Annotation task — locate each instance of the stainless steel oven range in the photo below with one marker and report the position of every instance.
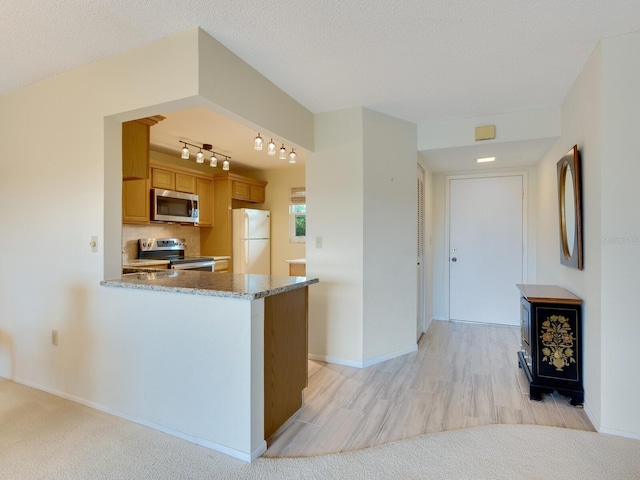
(173, 249)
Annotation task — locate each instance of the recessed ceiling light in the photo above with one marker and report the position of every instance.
(485, 159)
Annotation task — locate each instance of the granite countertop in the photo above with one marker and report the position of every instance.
(140, 263)
(234, 285)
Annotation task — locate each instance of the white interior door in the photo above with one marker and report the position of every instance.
(486, 248)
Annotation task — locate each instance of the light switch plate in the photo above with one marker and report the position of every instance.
(94, 244)
(318, 242)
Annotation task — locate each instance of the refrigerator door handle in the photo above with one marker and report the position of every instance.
(247, 234)
(246, 253)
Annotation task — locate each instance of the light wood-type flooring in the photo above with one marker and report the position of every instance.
(463, 375)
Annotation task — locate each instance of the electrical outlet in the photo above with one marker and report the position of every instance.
(54, 337)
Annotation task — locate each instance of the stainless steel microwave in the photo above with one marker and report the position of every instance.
(170, 206)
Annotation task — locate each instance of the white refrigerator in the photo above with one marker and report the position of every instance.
(251, 244)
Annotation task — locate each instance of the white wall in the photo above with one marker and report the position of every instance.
(620, 229)
(50, 279)
(390, 236)
(281, 181)
(335, 195)
(600, 115)
(510, 127)
(581, 121)
(361, 191)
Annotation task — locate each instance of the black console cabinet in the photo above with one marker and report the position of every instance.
(551, 345)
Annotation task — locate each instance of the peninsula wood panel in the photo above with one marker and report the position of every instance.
(285, 356)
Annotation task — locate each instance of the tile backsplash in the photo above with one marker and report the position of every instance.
(131, 234)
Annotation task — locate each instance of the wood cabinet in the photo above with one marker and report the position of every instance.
(249, 192)
(135, 147)
(551, 341)
(185, 183)
(135, 150)
(135, 201)
(204, 190)
(297, 269)
(161, 178)
(172, 180)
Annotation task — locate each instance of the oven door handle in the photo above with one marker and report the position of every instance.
(188, 266)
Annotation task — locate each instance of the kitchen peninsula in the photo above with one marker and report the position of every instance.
(222, 356)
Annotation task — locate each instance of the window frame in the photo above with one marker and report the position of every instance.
(297, 199)
(293, 238)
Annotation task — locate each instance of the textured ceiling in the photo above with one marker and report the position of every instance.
(419, 60)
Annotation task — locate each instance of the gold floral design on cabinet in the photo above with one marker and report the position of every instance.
(557, 338)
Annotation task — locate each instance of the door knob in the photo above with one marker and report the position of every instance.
(454, 259)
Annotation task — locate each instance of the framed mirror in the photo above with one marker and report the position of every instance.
(570, 209)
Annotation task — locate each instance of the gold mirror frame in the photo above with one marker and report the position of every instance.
(569, 164)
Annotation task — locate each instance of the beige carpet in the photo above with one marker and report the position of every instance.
(46, 437)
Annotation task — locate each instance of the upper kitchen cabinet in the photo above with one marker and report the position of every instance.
(172, 180)
(135, 147)
(185, 183)
(244, 188)
(162, 178)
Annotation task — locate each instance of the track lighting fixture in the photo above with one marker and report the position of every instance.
(213, 161)
(271, 148)
(257, 143)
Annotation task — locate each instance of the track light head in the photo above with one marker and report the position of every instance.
(257, 143)
(185, 153)
(271, 148)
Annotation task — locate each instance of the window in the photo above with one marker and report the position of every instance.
(298, 215)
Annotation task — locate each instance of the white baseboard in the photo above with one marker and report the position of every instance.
(384, 358)
(335, 361)
(247, 457)
(594, 419)
(361, 364)
(444, 319)
(619, 433)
